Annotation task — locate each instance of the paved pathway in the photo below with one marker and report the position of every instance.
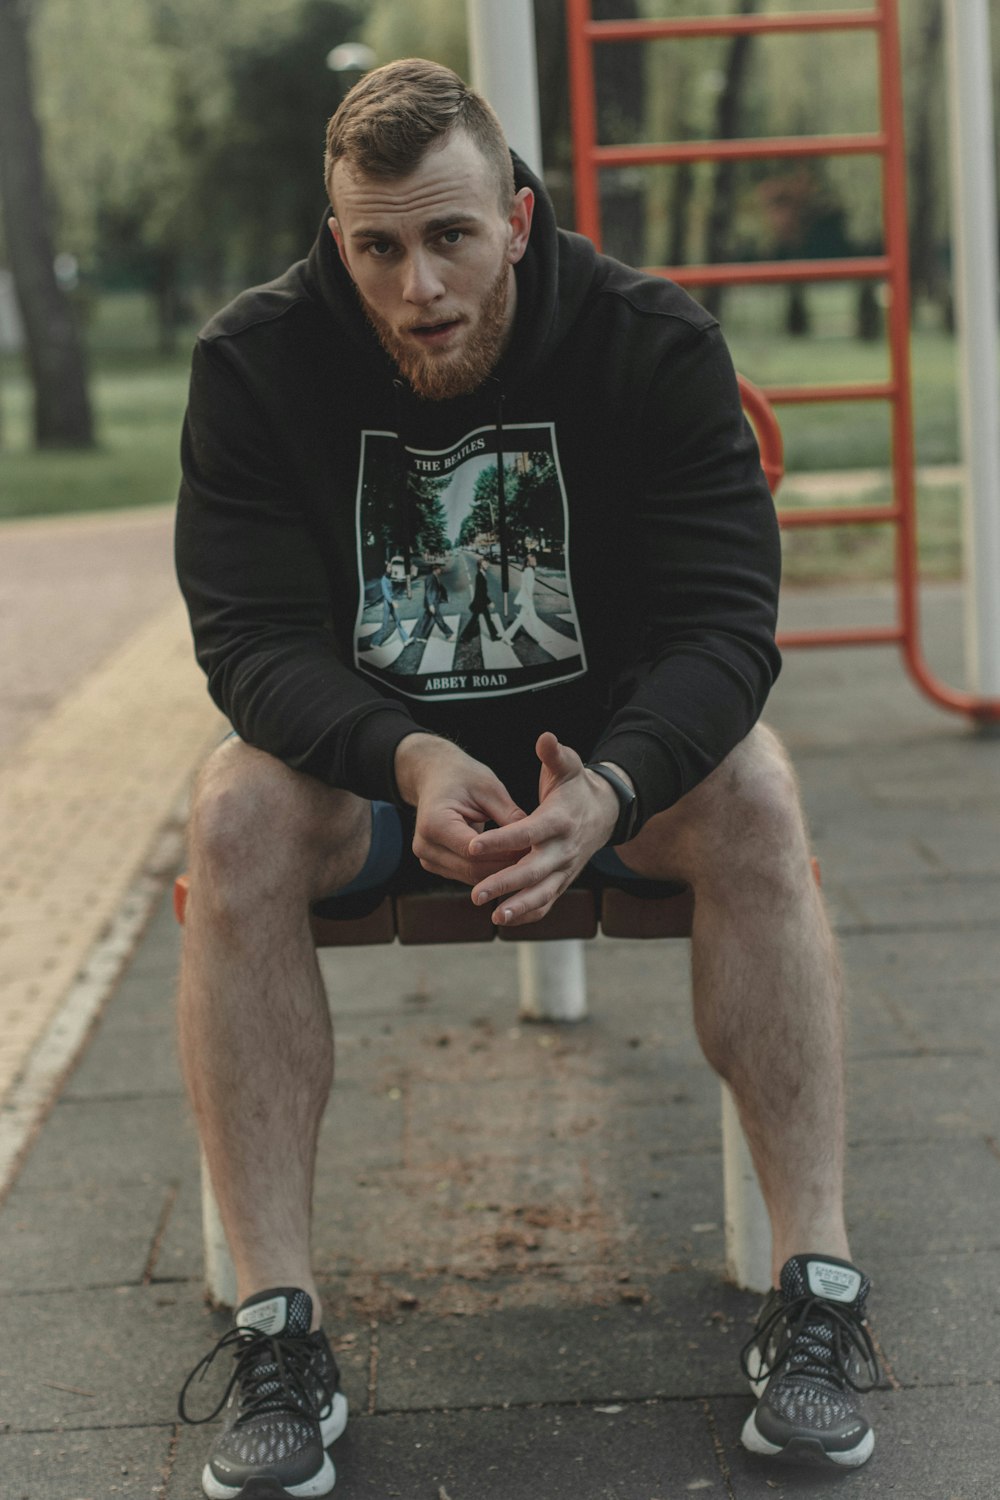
(102, 715)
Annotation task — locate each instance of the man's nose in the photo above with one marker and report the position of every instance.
(421, 284)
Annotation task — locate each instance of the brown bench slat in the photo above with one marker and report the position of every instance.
(448, 916)
(625, 916)
(356, 932)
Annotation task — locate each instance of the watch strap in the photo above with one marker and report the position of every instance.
(628, 803)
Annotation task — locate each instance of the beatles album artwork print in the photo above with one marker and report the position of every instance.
(433, 530)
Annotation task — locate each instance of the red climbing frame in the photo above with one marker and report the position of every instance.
(892, 268)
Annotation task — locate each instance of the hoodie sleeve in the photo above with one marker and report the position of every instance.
(259, 597)
(707, 560)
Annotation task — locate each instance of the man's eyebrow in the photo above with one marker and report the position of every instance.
(432, 226)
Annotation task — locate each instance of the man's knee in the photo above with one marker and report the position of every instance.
(745, 817)
(254, 821)
(755, 792)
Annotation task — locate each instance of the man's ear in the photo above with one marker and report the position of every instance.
(338, 240)
(519, 221)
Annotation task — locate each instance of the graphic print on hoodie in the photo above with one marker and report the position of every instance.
(421, 535)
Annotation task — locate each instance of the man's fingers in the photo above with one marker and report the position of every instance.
(528, 906)
(558, 759)
(496, 843)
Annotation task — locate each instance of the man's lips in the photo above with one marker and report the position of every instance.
(434, 333)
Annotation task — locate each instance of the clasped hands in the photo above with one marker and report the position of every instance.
(526, 862)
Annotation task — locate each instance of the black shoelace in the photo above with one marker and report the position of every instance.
(848, 1334)
(274, 1374)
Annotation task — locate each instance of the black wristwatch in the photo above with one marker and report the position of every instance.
(628, 803)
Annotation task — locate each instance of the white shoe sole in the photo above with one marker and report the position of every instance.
(321, 1483)
(806, 1449)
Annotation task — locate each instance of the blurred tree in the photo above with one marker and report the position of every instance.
(62, 412)
(435, 29)
(152, 80)
(259, 177)
(926, 164)
(729, 121)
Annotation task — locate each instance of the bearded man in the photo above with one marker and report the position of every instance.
(443, 345)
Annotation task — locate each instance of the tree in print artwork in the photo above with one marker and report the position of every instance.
(429, 527)
(532, 504)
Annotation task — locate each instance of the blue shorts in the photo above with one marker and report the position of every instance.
(391, 865)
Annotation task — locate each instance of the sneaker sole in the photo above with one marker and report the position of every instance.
(806, 1450)
(321, 1483)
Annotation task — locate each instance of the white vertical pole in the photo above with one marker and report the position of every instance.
(505, 71)
(220, 1273)
(748, 1228)
(974, 237)
(553, 981)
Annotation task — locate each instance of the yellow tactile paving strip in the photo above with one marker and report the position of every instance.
(83, 798)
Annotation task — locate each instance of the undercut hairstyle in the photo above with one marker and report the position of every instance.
(396, 113)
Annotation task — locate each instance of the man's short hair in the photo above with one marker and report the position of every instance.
(393, 115)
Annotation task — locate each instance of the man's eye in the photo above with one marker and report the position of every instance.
(453, 236)
(378, 248)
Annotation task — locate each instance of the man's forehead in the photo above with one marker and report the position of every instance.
(451, 179)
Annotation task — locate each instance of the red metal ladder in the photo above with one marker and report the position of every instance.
(891, 267)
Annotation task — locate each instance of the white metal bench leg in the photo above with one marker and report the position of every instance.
(220, 1273)
(748, 1229)
(553, 981)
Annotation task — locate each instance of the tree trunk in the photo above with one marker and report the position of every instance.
(925, 266)
(727, 118)
(55, 356)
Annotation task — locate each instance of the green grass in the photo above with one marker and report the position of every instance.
(842, 435)
(139, 398)
(135, 463)
(865, 554)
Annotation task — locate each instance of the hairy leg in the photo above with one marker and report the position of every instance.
(256, 1042)
(767, 986)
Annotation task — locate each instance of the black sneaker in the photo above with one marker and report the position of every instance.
(809, 1355)
(283, 1404)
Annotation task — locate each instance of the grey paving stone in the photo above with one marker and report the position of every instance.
(119, 1357)
(684, 1341)
(931, 962)
(929, 1445)
(157, 959)
(477, 977)
(938, 1317)
(958, 1016)
(139, 1058)
(874, 1025)
(95, 1464)
(650, 1451)
(964, 901)
(181, 1253)
(115, 1140)
(885, 845)
(926, 1198)
(908, 1096)
(965, 843)
(103, 1358)
(427, 1221)
(77, 1237)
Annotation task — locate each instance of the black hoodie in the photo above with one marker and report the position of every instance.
(609, 441)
